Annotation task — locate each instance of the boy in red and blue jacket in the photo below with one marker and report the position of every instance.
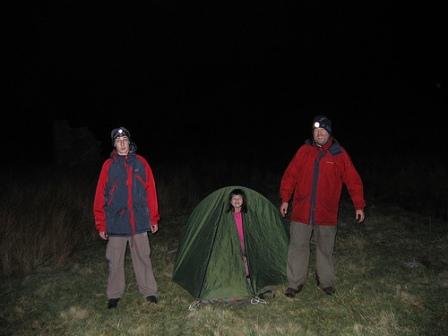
(125, 209)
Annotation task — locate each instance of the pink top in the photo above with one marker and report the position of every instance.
(239, 227)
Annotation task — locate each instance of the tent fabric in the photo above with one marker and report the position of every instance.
(208, 262)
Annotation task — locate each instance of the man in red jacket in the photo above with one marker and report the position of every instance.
(314, 178)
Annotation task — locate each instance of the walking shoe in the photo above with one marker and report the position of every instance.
(291, 292)
(329, 290)
(152, 299)
(112, 303)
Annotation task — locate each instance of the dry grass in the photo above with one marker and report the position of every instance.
(378, 293)
(43, 219)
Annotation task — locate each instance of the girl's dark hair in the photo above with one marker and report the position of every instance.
(240, 193)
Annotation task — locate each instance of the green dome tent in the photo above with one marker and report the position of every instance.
(208, 262)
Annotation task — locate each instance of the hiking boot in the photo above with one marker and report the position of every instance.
(152, 299)
(291, 292)
(329, 290)
(112, 303)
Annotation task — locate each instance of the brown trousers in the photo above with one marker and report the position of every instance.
(299, 254)
(140, 254)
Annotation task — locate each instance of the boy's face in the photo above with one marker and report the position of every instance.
(236, 201)
(122, 145)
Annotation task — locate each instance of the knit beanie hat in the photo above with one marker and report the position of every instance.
(321, 121)
(119, 132)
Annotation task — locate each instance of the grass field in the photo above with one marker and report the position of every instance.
(392, 279)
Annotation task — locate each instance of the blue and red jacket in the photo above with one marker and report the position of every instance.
(126, 198)
(316, 175)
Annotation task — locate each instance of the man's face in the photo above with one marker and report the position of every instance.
(122, 145)
(320, 136)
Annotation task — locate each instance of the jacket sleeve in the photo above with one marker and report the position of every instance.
(290, 177)
(151, 193)
(99, 202)
(354, 183)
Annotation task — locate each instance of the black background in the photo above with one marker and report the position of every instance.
(192, 79)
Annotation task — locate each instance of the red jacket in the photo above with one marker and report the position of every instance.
(315, 175)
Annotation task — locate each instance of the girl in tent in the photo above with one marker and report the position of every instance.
(209, 259)
(238, 206)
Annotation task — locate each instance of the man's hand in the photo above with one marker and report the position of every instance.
(359, 215)
(284, 209)
(104, 235)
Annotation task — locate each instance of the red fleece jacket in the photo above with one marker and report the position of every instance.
(315, 176)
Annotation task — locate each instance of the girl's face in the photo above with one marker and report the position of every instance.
(237, 202)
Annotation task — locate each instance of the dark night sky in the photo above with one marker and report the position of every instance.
(202, 74)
